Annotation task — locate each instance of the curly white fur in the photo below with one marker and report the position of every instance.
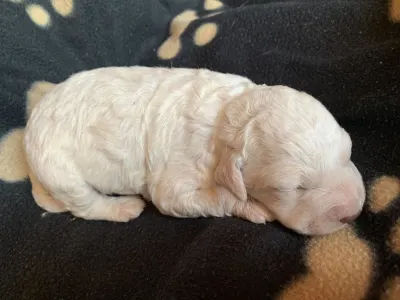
(195, 143)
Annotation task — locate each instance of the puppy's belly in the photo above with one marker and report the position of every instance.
(126, 176)
(115, 183)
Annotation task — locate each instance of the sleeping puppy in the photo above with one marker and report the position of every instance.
(196, 143)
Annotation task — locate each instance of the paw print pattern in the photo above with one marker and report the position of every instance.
(40, 16)
(203, 35)
(171, 47)
(351, 262)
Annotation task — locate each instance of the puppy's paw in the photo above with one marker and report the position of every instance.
(253, 212)
(115, 209)
(128, 208)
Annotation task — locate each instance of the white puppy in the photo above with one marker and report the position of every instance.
(194, 142)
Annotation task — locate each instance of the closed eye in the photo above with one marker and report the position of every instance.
(283, 190)
(287, 190)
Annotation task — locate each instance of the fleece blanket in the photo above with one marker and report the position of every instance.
(345, 53)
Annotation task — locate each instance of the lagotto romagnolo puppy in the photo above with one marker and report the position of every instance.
(196, 143)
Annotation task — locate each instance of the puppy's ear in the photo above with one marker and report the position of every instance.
(228, 174)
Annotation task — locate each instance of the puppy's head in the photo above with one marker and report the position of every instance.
(283, 148)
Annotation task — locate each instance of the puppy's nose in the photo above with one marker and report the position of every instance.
(350, 219)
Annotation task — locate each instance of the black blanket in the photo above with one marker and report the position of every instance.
(345, 53)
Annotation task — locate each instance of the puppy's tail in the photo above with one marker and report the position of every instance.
(42, 198)
(36, 93)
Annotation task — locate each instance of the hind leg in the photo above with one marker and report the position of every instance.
(85, 202)
(69, 191)
(43, 198)
(116, 209)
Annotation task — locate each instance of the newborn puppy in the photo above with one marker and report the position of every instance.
(195, 143)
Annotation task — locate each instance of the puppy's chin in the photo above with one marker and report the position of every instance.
(315, 229)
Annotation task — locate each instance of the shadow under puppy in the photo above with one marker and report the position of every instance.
(196, 143)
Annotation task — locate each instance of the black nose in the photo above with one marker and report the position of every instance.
(350, 219)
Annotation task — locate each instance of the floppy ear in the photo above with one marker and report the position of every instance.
(228, 174)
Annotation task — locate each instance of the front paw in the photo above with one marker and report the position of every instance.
(252, 211)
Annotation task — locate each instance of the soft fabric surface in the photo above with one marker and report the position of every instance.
(345, 53)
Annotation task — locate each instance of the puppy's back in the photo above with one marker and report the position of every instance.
(123, 121)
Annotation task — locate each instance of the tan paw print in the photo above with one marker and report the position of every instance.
(342, 265)
(13, 166)
(382, 193)
(341, 258)
(203, 35)
(394, 10)
(41, 17)
(212, 4)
